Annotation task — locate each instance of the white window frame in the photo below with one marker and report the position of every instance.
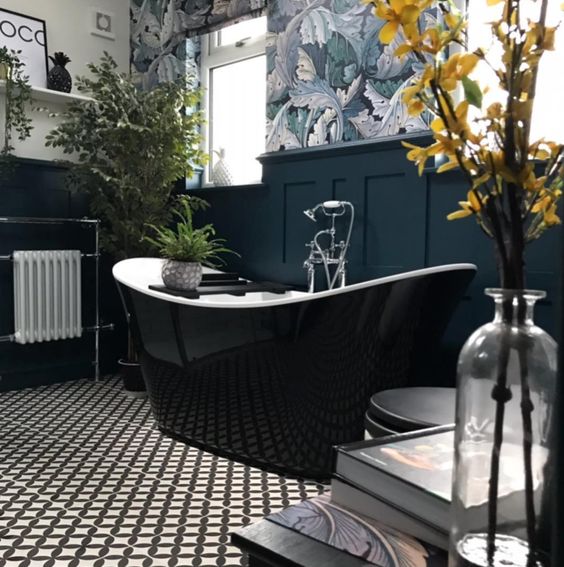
(215, 55)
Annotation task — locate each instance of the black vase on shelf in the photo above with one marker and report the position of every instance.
(59, 79)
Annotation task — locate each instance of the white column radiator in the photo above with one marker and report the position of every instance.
(47, 295)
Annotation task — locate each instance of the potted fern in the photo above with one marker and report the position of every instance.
(186, 248)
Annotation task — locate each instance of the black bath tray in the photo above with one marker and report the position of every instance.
(221, 277)
(230, 287)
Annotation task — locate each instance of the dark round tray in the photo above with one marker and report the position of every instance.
(410, 409)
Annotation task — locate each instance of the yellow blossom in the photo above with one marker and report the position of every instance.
(484, 178)
(437, 125)
(452, 163)
(410, 92)
(470, 207)
(420, 155)
(550, 216)
(465, 212)
(431, 41)
(403, 49)
(457, 66)
(479, 145)
(533, 184)
(453, 20)
(397, 13)
(542, 204)
(415, 106)
(448, 145)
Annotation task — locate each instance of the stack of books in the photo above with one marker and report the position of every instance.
(403, 481)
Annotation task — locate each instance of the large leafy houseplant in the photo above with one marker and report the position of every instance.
(16, 98)
(507, 368)
(130, 147)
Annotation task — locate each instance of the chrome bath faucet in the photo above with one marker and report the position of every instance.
(334, 255)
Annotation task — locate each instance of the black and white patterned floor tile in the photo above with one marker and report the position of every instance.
(86, 480)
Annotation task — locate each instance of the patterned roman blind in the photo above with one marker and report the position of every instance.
(165, 34)
(203, 16)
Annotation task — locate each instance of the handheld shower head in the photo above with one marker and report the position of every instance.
(310, 213)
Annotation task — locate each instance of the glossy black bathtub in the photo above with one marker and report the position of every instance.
(277, 380)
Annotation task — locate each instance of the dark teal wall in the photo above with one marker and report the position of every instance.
(401, 224)
(38, 189)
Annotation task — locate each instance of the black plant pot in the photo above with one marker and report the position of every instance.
(133, 383)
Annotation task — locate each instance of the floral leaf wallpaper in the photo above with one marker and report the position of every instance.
(329, 79)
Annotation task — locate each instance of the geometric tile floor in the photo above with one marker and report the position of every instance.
(87, 480)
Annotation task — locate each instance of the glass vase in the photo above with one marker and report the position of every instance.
(504, 420)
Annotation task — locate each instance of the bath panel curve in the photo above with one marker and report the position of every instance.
(277, 382)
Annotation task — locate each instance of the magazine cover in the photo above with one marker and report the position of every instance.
(358, 535)
(423, 461)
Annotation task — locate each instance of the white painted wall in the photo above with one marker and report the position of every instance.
(68, 25)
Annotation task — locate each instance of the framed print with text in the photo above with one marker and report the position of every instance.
(27, 34)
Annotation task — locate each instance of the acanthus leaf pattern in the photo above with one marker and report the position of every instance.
(327, 57)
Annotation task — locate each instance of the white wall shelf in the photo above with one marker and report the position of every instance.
(45, 95)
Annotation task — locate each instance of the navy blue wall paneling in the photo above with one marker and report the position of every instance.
(38, 189)
(401, 224)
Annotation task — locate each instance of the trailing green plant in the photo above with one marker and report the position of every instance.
(184, 243)
(130, 146)
(17, 97)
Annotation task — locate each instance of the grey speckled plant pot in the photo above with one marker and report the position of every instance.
(182, 276)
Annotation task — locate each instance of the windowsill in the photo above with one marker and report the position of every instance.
(432, 168)
(209, 188)
(345, 148)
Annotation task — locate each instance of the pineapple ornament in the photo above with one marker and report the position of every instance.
(221, 174)
(59, 78)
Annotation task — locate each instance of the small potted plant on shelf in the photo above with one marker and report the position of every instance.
(186, 248)
(17, 95)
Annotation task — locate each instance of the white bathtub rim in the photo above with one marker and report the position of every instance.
(139, 273)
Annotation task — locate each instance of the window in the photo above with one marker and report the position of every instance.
(233, 79)
(548, 117)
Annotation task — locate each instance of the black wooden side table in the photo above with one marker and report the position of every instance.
(319, 533)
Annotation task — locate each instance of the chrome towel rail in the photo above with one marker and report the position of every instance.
(97, 327)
